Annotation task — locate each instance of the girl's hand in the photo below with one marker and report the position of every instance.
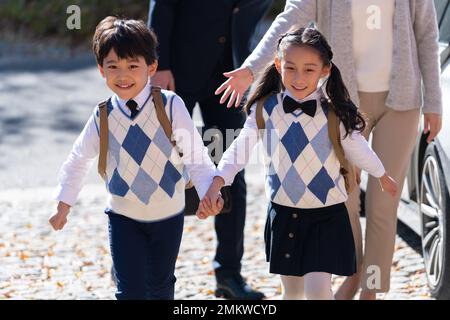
(212, 202)
(59, 219)
(388, 185)
(239, 80)
(204, 211)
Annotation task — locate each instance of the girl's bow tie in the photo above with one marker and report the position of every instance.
(308, 107)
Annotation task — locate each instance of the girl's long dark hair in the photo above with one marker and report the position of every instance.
(270, 82)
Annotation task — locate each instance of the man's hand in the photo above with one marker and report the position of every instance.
(432, 123)
(59, 219)
(164, 79)
(239, 80)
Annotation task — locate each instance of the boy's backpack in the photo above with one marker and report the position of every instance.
(347, 169)
(191, 197)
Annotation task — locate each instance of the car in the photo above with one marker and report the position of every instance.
(428, 180)
(425, 201)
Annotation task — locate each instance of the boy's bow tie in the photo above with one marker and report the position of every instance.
(309, 107)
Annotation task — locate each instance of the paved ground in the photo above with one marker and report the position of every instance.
(37, 263)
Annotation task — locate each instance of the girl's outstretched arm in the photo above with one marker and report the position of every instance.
(359, 153)
(238, 154)
(195, 154)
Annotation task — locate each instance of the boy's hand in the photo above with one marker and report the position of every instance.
(204, 211)
(212, 202)
(388, 185)
(59, 219)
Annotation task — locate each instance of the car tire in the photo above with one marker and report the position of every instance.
(434, 206)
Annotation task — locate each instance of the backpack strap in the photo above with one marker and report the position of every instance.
(164, 121)
(259, 114)
(334, 133)
(103, 133)
(161, 113)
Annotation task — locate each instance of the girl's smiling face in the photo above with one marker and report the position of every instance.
(301, 68)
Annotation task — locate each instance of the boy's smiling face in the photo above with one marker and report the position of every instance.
(126, 77)
(301, 68)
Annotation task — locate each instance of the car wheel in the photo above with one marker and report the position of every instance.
(434, 204)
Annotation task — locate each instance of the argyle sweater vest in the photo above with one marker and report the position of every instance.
(302, 169)
(145, 176)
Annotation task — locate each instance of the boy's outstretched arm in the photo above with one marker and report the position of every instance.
(73, 172)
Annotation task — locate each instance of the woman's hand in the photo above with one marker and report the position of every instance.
(388, 185)
(432, 122)
(239, 80)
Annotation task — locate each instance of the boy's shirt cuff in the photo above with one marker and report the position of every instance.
(66, 194)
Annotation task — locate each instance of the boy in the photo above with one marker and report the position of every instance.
(145, 175)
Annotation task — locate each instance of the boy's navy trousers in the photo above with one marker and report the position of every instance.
(144, 256)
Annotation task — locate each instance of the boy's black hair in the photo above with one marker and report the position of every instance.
(128, 38)
(270, 81)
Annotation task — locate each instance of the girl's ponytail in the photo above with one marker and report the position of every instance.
(269, 82)
(343, 105)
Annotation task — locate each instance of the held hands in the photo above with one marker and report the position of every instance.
(239, 80)
(59, 219)
(388, 185)
(212, 202)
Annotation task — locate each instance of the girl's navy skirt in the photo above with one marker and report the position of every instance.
(299, 241)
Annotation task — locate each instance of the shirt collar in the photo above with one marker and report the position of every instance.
(140, 99)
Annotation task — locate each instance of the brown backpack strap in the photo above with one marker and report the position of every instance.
(334, 133)
(103, 139)
(259, 114)
(161, 113)
(164, 120)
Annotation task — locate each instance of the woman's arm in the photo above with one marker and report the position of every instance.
(427, 38)
(296, 12)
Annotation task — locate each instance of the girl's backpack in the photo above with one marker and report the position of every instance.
(347, 169)
(191, 197)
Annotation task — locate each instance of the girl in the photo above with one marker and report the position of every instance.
(308, 233)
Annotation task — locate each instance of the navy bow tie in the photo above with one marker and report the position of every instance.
(309, 107)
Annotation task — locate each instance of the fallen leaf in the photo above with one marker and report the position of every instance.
(23, 255)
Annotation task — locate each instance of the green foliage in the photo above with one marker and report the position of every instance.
(40, 19)
(47, 19)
